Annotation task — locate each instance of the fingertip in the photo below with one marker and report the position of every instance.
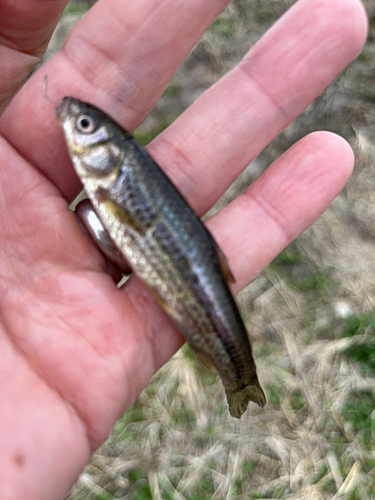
(338, 153)
(343, 21)
(352, 18)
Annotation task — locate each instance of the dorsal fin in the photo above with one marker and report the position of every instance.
(222, 260)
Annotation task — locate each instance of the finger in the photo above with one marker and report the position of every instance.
(254, 228)
(25, 29)
(282, 203)
(124, 71)
(205, 150)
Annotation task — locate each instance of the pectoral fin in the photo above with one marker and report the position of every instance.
(118, 211)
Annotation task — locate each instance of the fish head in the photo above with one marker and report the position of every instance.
(93, 140)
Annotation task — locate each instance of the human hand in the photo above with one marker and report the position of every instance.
(75, 350)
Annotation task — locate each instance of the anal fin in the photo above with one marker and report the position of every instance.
(162, 302)
(204, 359)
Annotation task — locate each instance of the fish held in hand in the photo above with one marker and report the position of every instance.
(165, 243)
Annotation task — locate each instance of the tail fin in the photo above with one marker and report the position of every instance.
(238, 400)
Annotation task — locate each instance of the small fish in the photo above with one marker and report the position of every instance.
(165, 243)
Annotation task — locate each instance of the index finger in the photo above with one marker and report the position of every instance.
(121, 56)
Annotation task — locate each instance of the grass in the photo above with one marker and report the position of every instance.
(74, 8)
(172, 90)
(362, 327)
(288, 257)
(145, 137)
(140, 488)
(301, 274)
(365, 56)
(359, 412)
(223, 26)
(310, 282)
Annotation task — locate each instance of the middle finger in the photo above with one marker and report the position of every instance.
(205, 150)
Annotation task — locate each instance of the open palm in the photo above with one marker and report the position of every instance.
(75, 351)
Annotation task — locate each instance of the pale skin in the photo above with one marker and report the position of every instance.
(75, 351)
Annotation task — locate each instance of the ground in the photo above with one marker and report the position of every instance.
(311, 314)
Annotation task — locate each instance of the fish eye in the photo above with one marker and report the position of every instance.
(85, 124)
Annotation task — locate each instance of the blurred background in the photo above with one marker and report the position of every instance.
(311, 315)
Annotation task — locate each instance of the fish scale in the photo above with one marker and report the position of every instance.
(165, 243)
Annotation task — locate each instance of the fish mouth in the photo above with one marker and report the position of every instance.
(63, 110)
(68, 107)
